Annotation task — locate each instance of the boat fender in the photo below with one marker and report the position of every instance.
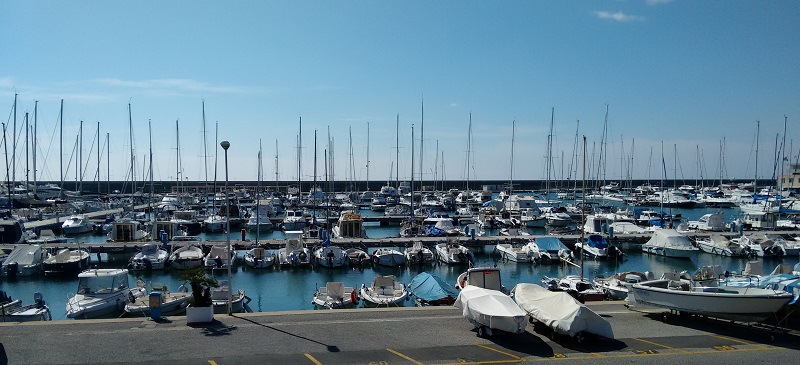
(353, 297)
(463, 282)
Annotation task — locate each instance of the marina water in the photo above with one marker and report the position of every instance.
(284, 289)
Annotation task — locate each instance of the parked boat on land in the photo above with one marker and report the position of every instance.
(484, 277)
(490, 310)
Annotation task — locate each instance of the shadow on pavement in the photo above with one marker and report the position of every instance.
(330, 348)
(3, 355)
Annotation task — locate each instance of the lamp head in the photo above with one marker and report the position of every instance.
(225, 145)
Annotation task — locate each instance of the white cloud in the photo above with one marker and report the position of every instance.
(453, 105)
(174, 86)
(657, 2)
(618, 16)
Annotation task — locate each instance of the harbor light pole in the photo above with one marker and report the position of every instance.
(225, 145)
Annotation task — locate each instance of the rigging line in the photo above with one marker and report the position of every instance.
(88, 158)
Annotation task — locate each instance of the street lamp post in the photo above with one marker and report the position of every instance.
(225, 145)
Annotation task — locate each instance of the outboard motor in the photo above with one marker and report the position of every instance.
(11, 269)
(38, 299)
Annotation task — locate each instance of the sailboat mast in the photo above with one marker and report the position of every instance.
(178, 156)
(397, 151)
(205, 147)
(34, 141)
(755, 177)
(61, 147)
(412, 169)
(549, 154)
(583, 203)
(98, 159)
(421, 143)
(511, 179)
(27, 154)
(14, 148)
(299, 158)
(258, 194)
(150, 138)
(367, 156)
(276, 165)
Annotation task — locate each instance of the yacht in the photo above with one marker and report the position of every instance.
(294, 252)
(76, 224)
(102, 292)
(293, 220)
(152, 257)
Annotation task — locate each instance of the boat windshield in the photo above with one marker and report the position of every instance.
(102, 284)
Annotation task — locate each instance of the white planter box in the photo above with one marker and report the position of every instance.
(199, 315)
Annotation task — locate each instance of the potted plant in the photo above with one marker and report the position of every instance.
(201, 308)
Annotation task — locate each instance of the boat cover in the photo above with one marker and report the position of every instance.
(560, 311)
(596, 240)
(491, 308)
(430, 288)
(669, 238)
(550, 244)
(25, 255)
(787, 282)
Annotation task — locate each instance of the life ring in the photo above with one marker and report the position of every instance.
(463, 282)
(353, 297)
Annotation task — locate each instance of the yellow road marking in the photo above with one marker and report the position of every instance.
(212, 362)
(739, 341)
(658, 344)
(315, 361)
(704, 352)
(403, 356)
(499, 351)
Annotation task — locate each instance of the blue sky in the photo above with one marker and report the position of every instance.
(683, 73)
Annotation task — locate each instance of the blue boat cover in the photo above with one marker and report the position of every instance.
(596, 240)
(787, 282)
(429, 288)
(550, 244)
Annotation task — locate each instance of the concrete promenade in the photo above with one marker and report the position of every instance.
(388, 336)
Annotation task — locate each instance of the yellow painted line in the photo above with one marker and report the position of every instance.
(658, 344)
(620, 356)
(212, 362)
(486, 362)
(403, 356)
(499, 351)
(315, 361)
(738, 341)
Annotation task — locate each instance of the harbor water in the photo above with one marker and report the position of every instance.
(284, 289)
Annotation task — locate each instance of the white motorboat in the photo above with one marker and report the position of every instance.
(258, 258)
(760, 245)
(388, 257)
(669, 243)
(718, 244)
(186, 257)
(220, 297)
(596, 246)
(24, 260)
(358, 257)
(66, 262)
(552, 250)
(560, 312)
(171, 302)
(581, 289)
(76, 224)
(334, 295)
(724, 302)
(259, 222)
(330, 256)
(516, 253)
(38, 311)
(102, 292)
(384, 291)
(418, 254)
(217, 258)
(452, 253)
(293, 220)
(709, 222)
(152, 257)
(490, 310)
(618, 286)
(127, 230)
(214, 223)
(350, 225)
(294, 252)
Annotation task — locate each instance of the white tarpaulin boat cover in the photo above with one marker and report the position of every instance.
(560, 311)
(491, 308)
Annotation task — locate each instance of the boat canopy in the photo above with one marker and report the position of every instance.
(597, 241)
(491, 308)
(550, 244)
(669, 238)
(560, 311)
(102, 284)
(430, 288)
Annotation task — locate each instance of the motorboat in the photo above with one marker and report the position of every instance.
(709, 222)
(581, 289)
(559, 311)
(618, 286)
(512, 252)
(66, 262)
(453, 253)
(24, 260)
(760, 245)
(259, 222)
(258, 258)
(127, 230)
(384, 291)
(413, 227)
(334, 295)
(76, 224)
(358, 257)
(552, 250)
(441, 226)
(12, 231)
(294, 252)
(426, 289)
(171, 302)
(330, 256)
(418, 254)
(221, 296)
(596, 246)
(102, 292)
(669, 243)
(490, 310)
(532, 218)
(217, 258)
(350, 225)
(385, 256)
(38, 311)
(214, 223)
(484, 277)
(293, 220)
(186, 257)
(718, 244)
(152, 257)
(723, 302)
